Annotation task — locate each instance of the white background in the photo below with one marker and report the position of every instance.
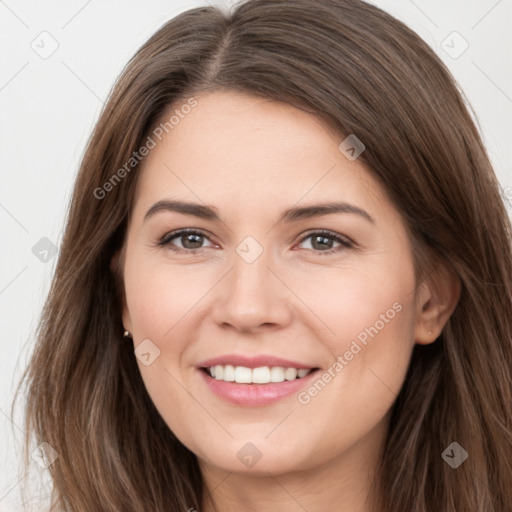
(49, 106)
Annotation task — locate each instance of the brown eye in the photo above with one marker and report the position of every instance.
(190, 239)
(322, 242)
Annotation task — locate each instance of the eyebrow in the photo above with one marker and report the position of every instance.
(290, 215)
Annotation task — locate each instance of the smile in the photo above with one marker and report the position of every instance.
(255, 387)
(261, 375)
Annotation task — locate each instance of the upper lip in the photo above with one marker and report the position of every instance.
(253, 361)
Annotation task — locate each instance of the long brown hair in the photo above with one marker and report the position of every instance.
(362, 72)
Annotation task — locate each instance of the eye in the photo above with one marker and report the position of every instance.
(191, 240)
(321, 242)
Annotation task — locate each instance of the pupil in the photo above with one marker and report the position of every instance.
(198, 241)
(324, 240)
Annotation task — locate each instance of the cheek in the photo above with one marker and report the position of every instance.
(160, 300)
(357, 391)
(160, 296)
(370, 320)
(351, 299)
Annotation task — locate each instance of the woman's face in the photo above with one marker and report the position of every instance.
(254, 282)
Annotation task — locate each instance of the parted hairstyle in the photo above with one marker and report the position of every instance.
(363, 72)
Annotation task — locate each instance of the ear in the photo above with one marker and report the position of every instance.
(116, 267)
(436, 300)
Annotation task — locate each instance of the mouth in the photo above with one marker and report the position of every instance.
(260, 375)
(255, 387)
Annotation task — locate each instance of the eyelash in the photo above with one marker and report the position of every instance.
(166, 239)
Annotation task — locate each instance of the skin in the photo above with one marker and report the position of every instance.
(251, 159)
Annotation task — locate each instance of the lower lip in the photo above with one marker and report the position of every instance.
(254, 395)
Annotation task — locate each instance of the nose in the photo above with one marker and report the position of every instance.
(252, 296)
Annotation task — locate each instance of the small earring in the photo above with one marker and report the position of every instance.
(127, 334)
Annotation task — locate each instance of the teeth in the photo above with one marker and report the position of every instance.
(243, 375)
(276, 374)
(261, 375)
(290, 373)
(229, 373)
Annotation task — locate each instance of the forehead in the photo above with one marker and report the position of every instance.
(234, 149)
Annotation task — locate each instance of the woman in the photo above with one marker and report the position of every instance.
(285, 281)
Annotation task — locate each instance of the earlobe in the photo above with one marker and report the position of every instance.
(436, 301)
